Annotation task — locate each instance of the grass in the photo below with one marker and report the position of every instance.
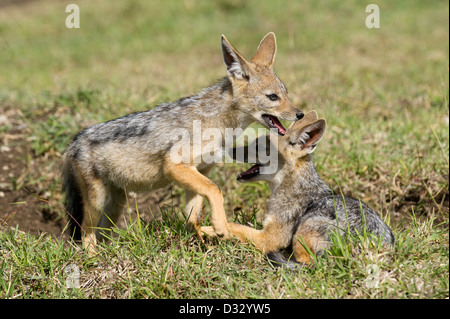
(161, 259)
(384, 93)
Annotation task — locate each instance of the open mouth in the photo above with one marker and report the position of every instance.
(274, 123)
(252, 172)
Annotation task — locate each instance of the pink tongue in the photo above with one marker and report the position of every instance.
(278, 125)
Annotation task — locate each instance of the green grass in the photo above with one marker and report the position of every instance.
(162, 260)
(384, 93)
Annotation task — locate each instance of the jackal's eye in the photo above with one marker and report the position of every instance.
(273, 97)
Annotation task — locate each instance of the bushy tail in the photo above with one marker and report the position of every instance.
(73, 202)
(277, 259)
(389, 236)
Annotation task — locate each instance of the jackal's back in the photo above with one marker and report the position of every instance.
(346, 213)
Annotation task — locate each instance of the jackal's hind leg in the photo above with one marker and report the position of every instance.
(115, 200)
(93, 205)
(309, 241)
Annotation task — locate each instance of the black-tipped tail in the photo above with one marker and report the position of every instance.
(74, 203)
(277, 259)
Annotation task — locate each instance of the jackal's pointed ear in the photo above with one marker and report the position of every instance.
(307, 137)
(265, 55)
(237, 67)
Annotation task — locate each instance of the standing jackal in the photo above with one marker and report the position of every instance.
(302, 209)
(133, 153)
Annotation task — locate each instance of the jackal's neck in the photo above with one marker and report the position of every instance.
(309, 182)
(218, 103)
(301, 186)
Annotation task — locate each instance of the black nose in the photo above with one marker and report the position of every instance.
(300, 115)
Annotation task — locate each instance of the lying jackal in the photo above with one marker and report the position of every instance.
(302, 208)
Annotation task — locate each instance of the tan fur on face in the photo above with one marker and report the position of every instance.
(258, 80)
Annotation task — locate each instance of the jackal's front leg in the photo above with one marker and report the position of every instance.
(273, 237)
(189, 177)
(194, 203)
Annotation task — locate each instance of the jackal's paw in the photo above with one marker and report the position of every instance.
(207, 231)
(212, 232)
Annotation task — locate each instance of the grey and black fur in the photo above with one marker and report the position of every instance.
(302, 210)
(331, 214)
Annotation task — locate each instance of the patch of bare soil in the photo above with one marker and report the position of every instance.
(18, 207)
(25, 199)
